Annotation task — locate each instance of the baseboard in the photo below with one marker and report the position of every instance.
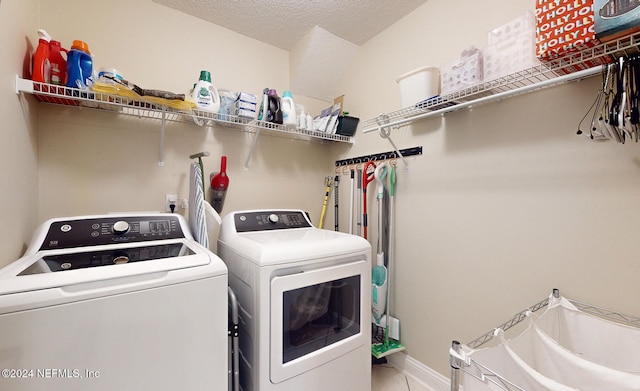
(434, 381)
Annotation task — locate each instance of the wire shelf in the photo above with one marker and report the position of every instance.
(547, 74)
(66, 96)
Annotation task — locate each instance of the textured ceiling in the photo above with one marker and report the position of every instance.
(283, 23)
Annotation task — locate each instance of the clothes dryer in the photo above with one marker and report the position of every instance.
(304, 302)
(114, 302)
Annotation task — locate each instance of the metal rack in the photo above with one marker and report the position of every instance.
(544, 75)
(481, 372)
(141, 108)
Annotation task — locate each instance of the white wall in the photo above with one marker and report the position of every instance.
(506, 202)
(19, 145)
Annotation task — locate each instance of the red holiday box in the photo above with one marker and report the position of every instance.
(565, 27)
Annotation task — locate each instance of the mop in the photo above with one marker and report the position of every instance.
(379, 272)
(389, 345)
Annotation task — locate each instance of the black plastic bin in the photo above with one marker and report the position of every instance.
(347, 125)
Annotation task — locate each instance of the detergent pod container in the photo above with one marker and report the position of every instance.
(41, 64)
(79, 66)
(205, 95)
(289, 117)
(227, 104)
(58, 63)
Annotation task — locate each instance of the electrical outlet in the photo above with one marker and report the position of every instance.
(170, 199)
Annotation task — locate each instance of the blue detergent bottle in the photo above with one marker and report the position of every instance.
(79, 66)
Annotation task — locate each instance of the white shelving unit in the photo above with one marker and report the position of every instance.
(141, 108)
(542, 76)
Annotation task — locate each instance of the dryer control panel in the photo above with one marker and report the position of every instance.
(270, 220)
(64, 234)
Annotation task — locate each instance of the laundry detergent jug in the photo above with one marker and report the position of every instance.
(274, 112)
(79, 66)
(41, 66)
(289, 117)
(58, 63)
(205, 95)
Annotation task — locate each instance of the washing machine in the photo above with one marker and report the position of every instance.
(304, 302)
(114, 302)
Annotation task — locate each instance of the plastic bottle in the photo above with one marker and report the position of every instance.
(79, 65)
(264, 106)
(41, 65)
(219, 186)
(288, 109)
(309, 122)
(58, 63)
(205, 95)
(274, 113)
(302, 118)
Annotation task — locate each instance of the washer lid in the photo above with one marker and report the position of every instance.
(291, 245)
(59, 268)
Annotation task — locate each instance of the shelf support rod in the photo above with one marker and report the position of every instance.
(251, 148)
(384, 133)
(162, 130)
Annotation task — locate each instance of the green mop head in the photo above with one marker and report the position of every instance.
(387, 347)
(383, 349)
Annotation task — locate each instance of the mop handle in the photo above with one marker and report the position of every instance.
(336, 182)
(366, 179)
(391, 249)
(359, 207)
(351, 203)
(327, 191)
(380, 174)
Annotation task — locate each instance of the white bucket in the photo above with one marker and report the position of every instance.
(418, 85)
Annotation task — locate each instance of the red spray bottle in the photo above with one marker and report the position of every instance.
(219, 186)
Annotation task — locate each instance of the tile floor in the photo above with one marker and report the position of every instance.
(385, 377)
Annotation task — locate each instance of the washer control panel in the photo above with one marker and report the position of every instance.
(270, 220)
(83, 260)
(110, 230)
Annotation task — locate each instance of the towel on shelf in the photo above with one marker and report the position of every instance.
(197, 219)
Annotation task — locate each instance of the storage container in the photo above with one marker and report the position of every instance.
(511, 48)
(418, 85)
(525, 24)
(462, 73)
(347, 125)
(564, 27)
(614, 19)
